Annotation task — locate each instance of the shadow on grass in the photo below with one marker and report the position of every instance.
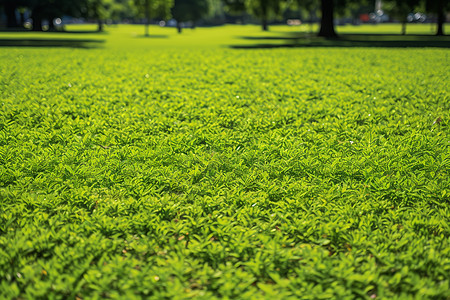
(61, 43)
(14, 29)
(25, 30)
(347, 40)
(81, 32)
(153, 36)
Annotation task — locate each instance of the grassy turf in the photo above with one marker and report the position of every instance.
(126, 38)
(177, 166)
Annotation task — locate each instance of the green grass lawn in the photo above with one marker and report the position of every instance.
(129, 37)
(224, 163)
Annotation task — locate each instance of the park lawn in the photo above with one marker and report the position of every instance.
(178, 166)
(129, 37)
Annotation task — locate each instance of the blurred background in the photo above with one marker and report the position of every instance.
(55, 15)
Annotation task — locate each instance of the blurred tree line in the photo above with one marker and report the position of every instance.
(212, 11)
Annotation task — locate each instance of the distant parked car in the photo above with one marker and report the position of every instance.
(416, 17)
(378, 17)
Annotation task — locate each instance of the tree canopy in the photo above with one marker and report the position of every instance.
(152, 8)
(194, 10)
(189, 10)
(438, 8)
(400, 9)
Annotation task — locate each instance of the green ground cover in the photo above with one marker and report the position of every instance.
(177, 166)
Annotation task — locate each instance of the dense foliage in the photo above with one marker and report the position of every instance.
(137, 171)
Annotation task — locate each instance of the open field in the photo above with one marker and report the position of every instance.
(207, 165)
(127, 37)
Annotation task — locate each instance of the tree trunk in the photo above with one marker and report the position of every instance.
(51, 25)
(22, 18)
(37, 21)
(441, 18)
(147, 16)
(311, 21)
(100, 25)
(327, 20)
(10, 12)
(404, 28)
(265, 27)
(264, 15)
(179, 28)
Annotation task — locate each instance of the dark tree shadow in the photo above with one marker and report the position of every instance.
(14, 29)
(61, 43)
(63, 31)
(153, 36)
(80, 32)
(258, 38)
(294, 40)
